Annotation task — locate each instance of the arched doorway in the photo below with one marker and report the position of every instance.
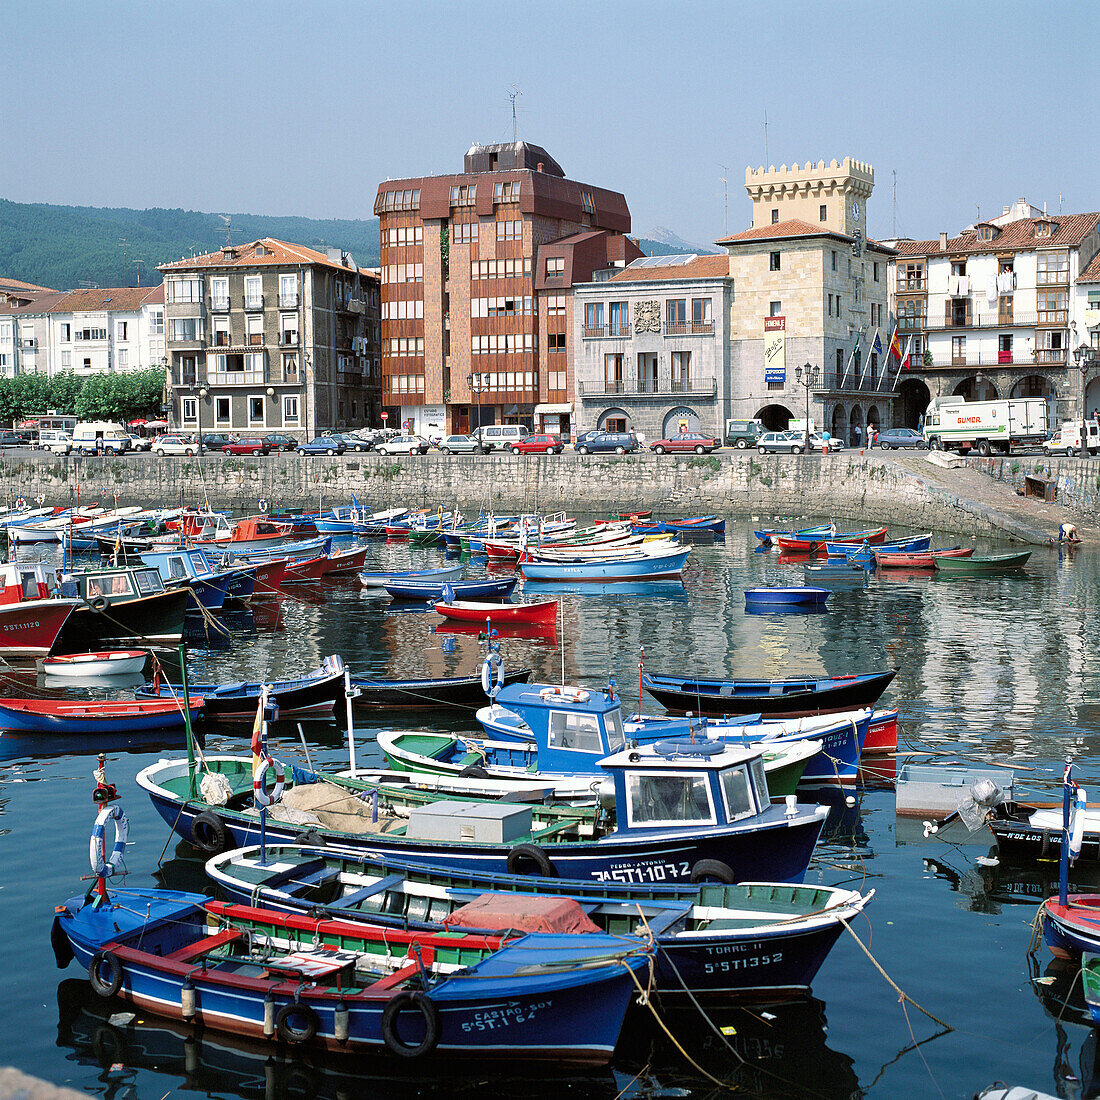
(1032, 385)
(682, 419)
(874, 419)
(614, 420)
(914, 401)
(775, 417)
(855, 420)
(976, 388)
(1092, 398)
(839, 427)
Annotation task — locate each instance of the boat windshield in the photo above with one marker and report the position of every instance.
(654, 798)
(109, 584)
(580, 732)
(737, 790)
(613, 723)
(148, 581)
(176, 568)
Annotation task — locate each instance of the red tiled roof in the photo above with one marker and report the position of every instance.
(1091, 274)
(125, 299)
(1070, 230)
(794, 227)
(276, 254)
(702, 267)
(18, 284)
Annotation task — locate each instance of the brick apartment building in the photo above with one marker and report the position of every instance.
(477, 277)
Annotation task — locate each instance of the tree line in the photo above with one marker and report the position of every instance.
(123, 396)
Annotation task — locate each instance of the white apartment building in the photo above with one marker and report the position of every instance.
(998, 310)
(86, 331)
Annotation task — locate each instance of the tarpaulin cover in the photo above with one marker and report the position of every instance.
(524, 913)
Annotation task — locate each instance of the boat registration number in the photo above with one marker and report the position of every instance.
(724, 966)
(492, 1019)
(647, 872)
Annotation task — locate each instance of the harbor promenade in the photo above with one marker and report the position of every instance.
(975, 497)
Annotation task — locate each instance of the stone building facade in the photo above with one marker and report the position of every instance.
(272, 336)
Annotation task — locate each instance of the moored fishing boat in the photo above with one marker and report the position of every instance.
(918, 559)
(459, 693)
(630, 565)
(30, 618)
(815, 544)
(692, 525)
(844, 549)
(113, 662)
(787, 594)
(540, 611)
(379, 579)
(461, 589)
(778, 934)
(985, 563)
(64, 716)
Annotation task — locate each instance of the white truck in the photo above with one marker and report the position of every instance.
(988, 427)
(1067, 440)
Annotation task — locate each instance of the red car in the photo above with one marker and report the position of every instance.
(253, 446)
(685, 441)
(538, 445)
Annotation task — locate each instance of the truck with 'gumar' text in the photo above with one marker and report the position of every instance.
(987, 427)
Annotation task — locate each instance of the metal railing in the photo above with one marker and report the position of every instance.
(288, 301)
(255, 301)
(1000, 319)
(236, 377)
(647, 388)
(219, 305)
(617, 331)
(689, 328)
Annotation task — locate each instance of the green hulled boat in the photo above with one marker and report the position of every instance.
(985, 563)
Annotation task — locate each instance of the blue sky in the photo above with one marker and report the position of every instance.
(303, 108)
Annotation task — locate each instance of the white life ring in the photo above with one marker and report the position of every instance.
(492, 674)
(260, 793)
(573, 694)
(1077, 809)
(21, 503)
(95, 846)
(263, 505)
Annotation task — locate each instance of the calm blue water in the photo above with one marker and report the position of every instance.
(1002, 668)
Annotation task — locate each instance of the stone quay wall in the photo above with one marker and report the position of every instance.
(1077, 480)
(863, 488)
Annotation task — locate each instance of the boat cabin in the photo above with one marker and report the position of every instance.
(115, 585)
(178, 565)
(572, 727)
(681, 784)
(26, 580)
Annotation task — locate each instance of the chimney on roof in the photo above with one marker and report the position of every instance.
(1005, 209)
(943, 242)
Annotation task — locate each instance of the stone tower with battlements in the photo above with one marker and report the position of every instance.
(832, 195)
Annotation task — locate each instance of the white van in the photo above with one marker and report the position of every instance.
(55, 439)
(499, 437)
(100, 436)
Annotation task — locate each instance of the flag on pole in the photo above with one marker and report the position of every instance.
(903, 362)
(873, 345)
(852, 355)
(895, 345)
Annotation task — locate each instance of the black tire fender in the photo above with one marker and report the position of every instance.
(407, 1001)
(109, 983)
(523, 855)
(98, 603)
(311, 838)
(712, 870)
(296, 1023)
(209, 833)
(108, 1045)
(473, 771)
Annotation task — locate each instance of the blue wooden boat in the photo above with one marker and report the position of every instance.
(786, 594)
(630, 566)
(767, 536)
(701, 524)
(312, 694)
(356, 519)
(897, 546)
(381, 579)
(779, 933)
(292, 551)
(460, 590)
(834, 572)
(190, 569)
(572, 729)
(86, 716)
(862, 556)
(334, 985)
(661, 819)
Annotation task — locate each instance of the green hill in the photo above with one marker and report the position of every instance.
(64, 246)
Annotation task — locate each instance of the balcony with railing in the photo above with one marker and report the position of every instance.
(616, 331)
(253, 301)
(689, 328)
(992, 319)
(219, 304)
(911, 286)
(1050, 356)
(288, 339)
(649, 387)
(254, 376)
(1052, 317)
(288, 301)
(852, 381)
(908, 324)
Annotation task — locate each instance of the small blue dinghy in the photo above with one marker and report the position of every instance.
(787, 594)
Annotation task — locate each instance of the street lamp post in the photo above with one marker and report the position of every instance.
(806, 376)
(1085, 357)
(198, 408)
(474, 381)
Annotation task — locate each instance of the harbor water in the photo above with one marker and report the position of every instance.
(992, 669)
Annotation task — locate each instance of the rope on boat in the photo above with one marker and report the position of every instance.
(903, 997)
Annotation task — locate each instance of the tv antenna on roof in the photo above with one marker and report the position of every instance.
(725, 198)
(125, 263)
(227, 218)
(512, 96)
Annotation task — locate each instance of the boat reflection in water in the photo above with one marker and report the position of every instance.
(15, 745)
(116, 682)
(1060, 992)
(786, 609)
(668, 589)
(524, 631)
(776, 1049)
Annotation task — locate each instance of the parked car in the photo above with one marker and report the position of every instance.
(281, 442)
(174, 445)
(140, 442)
(899, 437)
(323, 445)
(352, 442)
(685, 441)
(541, 443)
(367, 437)
(499, 437)
(780, 443)
(743, 433)
(404, 445)
(100, 436)
(10, 439)
(253, 445)
(619, 442)
(217, 441)
(818, 441)
(57, 440)
(459, 444)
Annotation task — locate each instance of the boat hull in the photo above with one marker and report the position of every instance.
(31, 628)
(463, 590)
(545, 611)
(644, 568)
(460, 694)
(158, 617)
(91, 717)
(793, 595)
(993, 563)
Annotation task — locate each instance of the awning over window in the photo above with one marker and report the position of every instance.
(564, 407)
